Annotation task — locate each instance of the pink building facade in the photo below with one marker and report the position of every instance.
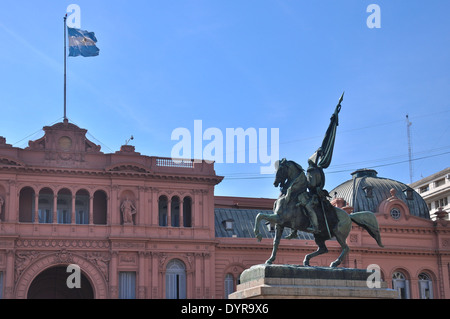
(148, 227)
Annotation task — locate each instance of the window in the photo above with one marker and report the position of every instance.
(64, 207)
(425, 286)
(162, 210)
(400, 284)
(127, 285)
(409, 193)
(369, 191)
(229, 285)
(228, 224)
(424, 189)
(176, 280)
(26, 205)
(175, 212)
(100, 208)
(45, 206)
(187, 212)
(82, 207)
(395, 213)
(439, 182)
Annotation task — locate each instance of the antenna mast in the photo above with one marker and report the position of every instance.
(408, 125)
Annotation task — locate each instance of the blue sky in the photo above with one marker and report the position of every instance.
(251, 64)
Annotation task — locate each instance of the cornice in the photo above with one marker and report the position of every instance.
(210, 179)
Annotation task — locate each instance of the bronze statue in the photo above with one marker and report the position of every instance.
(303, 204)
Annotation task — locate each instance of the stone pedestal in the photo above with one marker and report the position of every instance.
(299, 282)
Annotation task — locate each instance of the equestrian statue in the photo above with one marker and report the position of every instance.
(303, 203)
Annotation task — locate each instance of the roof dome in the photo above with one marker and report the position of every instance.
(365, 192)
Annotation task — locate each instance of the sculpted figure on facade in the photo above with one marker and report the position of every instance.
(128, 209)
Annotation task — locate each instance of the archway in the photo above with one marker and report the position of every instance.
(94, 273)
(52, 284)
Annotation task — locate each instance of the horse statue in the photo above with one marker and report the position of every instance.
(290, 212)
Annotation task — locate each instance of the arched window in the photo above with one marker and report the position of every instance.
(175, 212)
(26, 205)
(425, 286)
(100, 208)
(64, 206)
(187, 212)
(229, 284)
(176, 280)
(45, 205)
(162, 210)
(401, 284)
(82, 207)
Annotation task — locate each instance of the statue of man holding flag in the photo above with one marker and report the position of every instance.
(315, 177)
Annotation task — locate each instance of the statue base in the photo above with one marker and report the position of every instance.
(300, 282)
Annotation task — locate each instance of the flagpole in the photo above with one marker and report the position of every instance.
(65, 18)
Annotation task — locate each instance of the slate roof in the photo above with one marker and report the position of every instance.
(353, 192)
(244, 222)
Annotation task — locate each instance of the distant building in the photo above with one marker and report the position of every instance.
(435, 190)
(138, 226)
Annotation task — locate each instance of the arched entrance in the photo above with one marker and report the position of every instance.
(52, 284)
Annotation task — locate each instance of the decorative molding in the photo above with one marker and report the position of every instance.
(62, 243)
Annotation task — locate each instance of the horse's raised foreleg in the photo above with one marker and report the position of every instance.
(276, 241)
(273, 218)
(322, 249)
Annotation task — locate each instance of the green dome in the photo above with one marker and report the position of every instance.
(365, 191)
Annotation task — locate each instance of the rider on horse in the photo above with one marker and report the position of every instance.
(315, 180)
(298, 191)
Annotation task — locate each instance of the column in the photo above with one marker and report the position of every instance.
(113, 284)
(142, 275)
(198, 275)
(113, 209)
(207, 275)
(169, 213)
(141, 216)
(91, 210)
(73, 213)
(196, 213)
(154, 211)
(8, 279)
(181, 212)
(36, 208)
(204, 205)
(55, 209)
(11, 203)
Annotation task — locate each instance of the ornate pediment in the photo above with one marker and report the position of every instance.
(64, 137)
(128, 167)
(4, 160)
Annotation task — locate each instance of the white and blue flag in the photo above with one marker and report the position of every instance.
(82, 43)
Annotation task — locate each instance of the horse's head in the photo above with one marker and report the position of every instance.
(281, 175)
(286, 172)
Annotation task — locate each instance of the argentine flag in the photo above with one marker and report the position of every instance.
(82, 43)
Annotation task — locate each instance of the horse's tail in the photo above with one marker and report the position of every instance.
(368, 221)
